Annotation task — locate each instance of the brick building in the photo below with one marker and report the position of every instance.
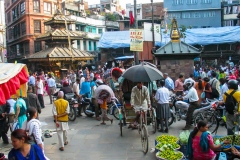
(158, 10)
(24, 21)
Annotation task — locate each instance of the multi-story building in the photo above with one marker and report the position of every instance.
(195, 13)
(111, 5)
(24, 22)
(158, 10)
(231, 9)
(130, 8)
(2, 32)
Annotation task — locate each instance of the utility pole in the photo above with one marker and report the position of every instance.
(153, 37)
(136, 26)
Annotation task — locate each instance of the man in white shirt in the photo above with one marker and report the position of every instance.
(203, 74)
(51, 86)
(192, 96)
(224, 88)
(77, 95)
(163, 110)
(39, 87)
(82, 79)
(189, 79)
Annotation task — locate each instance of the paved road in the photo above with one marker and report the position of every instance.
(89, 140)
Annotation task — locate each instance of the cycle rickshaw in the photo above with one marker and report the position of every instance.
(127, 113)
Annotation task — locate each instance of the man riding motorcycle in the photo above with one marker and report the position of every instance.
(66, 89)
(192, 97)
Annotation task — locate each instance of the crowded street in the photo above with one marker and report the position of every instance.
(89, 140)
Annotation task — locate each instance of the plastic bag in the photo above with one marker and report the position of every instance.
(222, 156)
(183, 137)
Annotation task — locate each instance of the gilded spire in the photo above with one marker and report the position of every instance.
(175, 34)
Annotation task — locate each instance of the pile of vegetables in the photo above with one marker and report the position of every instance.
(170, 155)
(218, 140)
(183, 137)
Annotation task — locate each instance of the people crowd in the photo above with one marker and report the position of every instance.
(193, 88)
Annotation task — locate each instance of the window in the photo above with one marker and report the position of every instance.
(138, 11)
(174, 15)
(37, 26)
(16, 31)
(209, 14)
(47, 28)
(10, 33)
(36, 7)
(126, 24)
(15, 13)
(90, 45)
(99, 31)
(90, 29)
(23, 28)
(9, 17)
(177, 2)
(47, 8)
(78, 44)
(206, 1)
(26, 48)
(191, 1)
(54, 8)
(22, 8)
(37, 46)
(94, 46)
(84, 45)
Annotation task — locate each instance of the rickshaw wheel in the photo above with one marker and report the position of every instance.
(144, 138)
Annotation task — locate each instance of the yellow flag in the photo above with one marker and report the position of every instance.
(15, 62)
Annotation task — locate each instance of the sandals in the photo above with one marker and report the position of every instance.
(111, 121)
(61, 149)
(66, 143)
(103, 123)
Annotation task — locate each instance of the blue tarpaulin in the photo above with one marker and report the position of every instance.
(124, 57)
(200, 36)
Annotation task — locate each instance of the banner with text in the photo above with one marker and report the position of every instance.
(136, 40)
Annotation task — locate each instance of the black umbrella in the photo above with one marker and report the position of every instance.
(142, 73)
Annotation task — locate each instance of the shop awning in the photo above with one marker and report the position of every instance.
(124, 57)
(12, 78)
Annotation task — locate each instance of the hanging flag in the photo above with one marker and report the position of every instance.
(131, 18)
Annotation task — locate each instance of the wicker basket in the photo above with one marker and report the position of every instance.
(10, 118)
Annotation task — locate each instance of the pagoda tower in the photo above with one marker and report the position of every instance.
(59, 53)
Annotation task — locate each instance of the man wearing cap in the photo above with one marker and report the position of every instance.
(169, 84)
(60, 112)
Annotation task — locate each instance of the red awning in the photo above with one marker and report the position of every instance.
(11, 80)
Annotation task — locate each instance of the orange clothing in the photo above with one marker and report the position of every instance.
(104, 105)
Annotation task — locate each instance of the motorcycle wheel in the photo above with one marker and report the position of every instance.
(85, 108)
(171, 119)
(72, 115)
(116, 113)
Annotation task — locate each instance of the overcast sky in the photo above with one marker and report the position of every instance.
(124, 2)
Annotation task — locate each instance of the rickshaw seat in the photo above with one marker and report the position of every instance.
(127, 104)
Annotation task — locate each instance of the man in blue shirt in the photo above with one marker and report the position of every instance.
(51, 86)
(169, 84)
(32, 81)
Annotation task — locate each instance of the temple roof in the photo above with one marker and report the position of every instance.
(58, 17)
(60, 53)
(176, 46)
(62, 34)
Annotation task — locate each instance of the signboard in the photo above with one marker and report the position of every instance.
(136, 40)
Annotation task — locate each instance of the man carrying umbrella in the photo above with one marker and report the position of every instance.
(139, 98)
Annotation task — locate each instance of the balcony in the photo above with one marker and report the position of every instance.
(111, 24)
(230, 16)
(93, 36)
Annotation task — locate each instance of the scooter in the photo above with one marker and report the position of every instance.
(73, 104)
(89, 107)
(179, 108)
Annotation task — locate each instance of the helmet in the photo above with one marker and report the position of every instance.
(233, 84)
(65, 84)
(189, 84)
(99, 81)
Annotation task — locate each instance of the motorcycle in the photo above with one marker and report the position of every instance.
(179, 109)
(73, 104)
(89, 107)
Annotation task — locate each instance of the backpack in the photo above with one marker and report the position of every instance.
(23, 107)
(215, 93)
(230, 102)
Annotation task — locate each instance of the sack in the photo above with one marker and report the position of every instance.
(230, 102)
(215, 93)
(15, 126)
(183, 137)
(203, 95)
(222, 156)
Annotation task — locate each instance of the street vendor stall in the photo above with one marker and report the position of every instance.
(13, 81)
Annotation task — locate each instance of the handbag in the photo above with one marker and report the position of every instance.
(203, 95)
